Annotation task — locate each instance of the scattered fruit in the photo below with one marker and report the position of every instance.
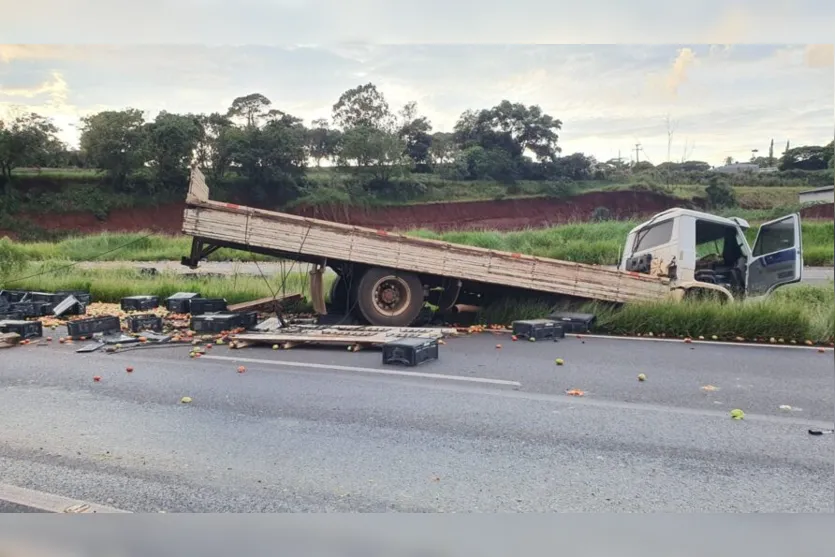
(49, 339)
(241, 369)
(514, 338)
(498, 346)
(772, 340)
(441, 341)
(642, 377)
(185, 400)
(532, 339)
(809, 343)
(688, 340)
(129, 369)
(701, 337)
(559, 361)
(710, 388)
(96, 378)
(62, 340)
(143, 339)
(792, 341)
(208, 345)
(275, 347)
(781, 341)
(714, 337)
(219, 341)
(574, 392)
(821, 350)
(737, 414)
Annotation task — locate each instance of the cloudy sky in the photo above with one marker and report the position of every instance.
(722, 100)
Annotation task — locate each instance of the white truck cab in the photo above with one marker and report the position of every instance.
(700, 252)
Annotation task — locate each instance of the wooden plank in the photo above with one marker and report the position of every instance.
(7, 340)
(263, 303)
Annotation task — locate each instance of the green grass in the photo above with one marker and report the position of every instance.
(594, 243)
(111, 285)
(796, 313)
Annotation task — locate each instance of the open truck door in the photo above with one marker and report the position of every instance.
(777, 257)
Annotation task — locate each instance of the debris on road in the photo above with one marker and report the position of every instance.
(96, 378)
(575, 392)
(185, 400)
(821, 431)
(737, 414)
(559, 361)
(709, 388)
(269, 304)
(7, 340)
(642, 377)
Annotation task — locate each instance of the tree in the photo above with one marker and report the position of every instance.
(771, 153)
(376, 154)
(212, 151)
(807, 157)
(512, 127)
(729, 161)
(642, 166)
(576, 166)
(171, 143)
(28, 139)
(442, 148)
(249, 109)
(414, 132)
(362, 106)
(720, 195)
(115, 141)
(322, 141)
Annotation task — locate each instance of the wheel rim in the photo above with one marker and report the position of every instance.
(391, 296)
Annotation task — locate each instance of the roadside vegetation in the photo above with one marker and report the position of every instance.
(598, 243)
(792, 314)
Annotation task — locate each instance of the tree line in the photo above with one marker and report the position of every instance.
(270, 152)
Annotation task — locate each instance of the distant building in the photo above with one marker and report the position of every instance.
(737, 168)
(818, 195)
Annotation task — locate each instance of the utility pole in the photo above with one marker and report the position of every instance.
(637, 153)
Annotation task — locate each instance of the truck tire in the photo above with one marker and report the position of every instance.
(340, 298)
(389, 298)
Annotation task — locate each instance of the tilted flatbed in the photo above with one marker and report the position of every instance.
(389, 273)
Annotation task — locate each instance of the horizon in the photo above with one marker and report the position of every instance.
(721, 100)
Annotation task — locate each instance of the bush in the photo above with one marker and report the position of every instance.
(720, 195)
(12, 260)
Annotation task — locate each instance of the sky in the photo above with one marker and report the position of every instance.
(720, 99)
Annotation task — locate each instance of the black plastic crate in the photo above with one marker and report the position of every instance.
(215, 322)
(32, 309)
(574, 322)
(538, 329)
(139, 303)
(179, 302)
(247, 319)
(90, 326)
(410, 351)
(80, 295)
(13, 296)
(48, 297)
(26, 329)
(145, 322)
(69, 306)
(11, 316)
(199, 306)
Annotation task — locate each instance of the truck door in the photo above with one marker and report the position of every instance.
(777, 257)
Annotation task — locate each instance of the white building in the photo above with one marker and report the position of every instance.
(818, 195)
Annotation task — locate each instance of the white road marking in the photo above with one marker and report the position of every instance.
(369, 370)
(695, 342)
(49, 502)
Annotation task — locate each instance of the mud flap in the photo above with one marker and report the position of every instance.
(317, 290)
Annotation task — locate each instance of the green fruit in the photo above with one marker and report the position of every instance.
(532, 339)
(642, 377)
(275, 347)
(737, 414)
(559, 361)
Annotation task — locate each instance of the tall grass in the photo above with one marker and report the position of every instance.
(111, 285)
(595, 243)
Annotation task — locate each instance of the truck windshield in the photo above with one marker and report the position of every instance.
(653, 236)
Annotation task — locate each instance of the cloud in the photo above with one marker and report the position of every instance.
(678, 73)
(819, 56)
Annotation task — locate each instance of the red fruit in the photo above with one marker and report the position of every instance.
(821, 350)
(129, 369)
(688, 340)
(241, 369)
(498, 346)
(514, 338)
(96, 378)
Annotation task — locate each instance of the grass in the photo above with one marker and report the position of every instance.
(111, 285)
(796, 313)
(594, 243)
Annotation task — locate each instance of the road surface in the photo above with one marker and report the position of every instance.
(325, 430)
(811, 275)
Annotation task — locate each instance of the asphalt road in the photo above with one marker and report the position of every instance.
(811, 275)
(296, 432)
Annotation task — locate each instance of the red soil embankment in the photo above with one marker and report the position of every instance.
(506, 214)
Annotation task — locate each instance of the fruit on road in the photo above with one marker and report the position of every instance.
(129, 369)
(642, 377)
(96, 378)
(185, 399)
(737, 414)
(559, 361)
(241, 369)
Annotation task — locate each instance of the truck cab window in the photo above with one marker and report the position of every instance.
(653, 236)
(720, 258)
(777, 237)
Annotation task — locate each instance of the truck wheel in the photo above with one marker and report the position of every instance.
(389, 298)
(340, 298)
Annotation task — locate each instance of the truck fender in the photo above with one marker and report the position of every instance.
(682, 289)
